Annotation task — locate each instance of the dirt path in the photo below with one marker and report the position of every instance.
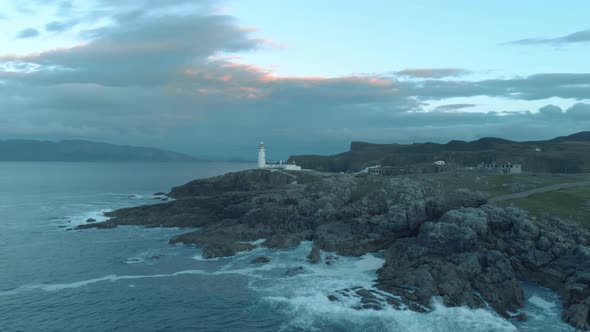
(539, 190)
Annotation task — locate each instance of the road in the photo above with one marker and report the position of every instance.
(539, 190)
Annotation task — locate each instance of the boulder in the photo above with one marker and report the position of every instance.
(314, 255)
(260, 260)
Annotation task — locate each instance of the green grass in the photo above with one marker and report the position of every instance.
(503, 184)
(572, 204)
(509, 184)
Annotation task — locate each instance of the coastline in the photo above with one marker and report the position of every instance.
(439, 242)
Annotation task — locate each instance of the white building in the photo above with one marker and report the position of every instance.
(501, 168)
(280, 165)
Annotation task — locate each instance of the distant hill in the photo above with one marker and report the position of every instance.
(567, 154)
(80, 150)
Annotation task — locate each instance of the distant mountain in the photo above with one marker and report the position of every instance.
(567, 154)
(80, 150)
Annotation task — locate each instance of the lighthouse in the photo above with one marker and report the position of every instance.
(261, 155)
(274, 165)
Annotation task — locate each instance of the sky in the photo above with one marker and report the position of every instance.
(212, 78)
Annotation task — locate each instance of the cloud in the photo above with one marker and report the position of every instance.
(551, 110)
(432, 72)
(582, 36)
(534, 87)
(27, 33)
(60, 26)
(579, 111)
(142, 49)
(451, 107)
(65, 8)
(168, 74)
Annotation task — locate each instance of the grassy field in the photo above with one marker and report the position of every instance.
(572, 204)
(496, 185)
(509, 184)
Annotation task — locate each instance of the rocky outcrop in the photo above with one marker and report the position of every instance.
(439, 242)
(314, 256)
(346, 214)
(477, 257)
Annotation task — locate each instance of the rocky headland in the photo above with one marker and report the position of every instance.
(439, 241)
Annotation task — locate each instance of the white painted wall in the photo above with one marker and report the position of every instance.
(261, 155)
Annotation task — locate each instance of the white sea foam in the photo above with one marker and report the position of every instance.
(81, 283)
(81, 219)
(542, 303)
(150, 256)
(256, 243)
(315, 313)
(134, 260)
(303, 296)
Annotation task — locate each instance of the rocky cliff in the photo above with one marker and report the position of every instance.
(439, 242)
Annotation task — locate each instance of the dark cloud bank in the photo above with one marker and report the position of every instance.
(165, 79)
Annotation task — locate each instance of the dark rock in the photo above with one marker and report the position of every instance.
(224, 249)
(394, 302)
(99, 225)
(371, 306)
(365, 294)
(294, 271)
(260, 260)
(543, 244)
(578, 315)
(90, 220)
(331, 259)
(160, 193)
(284, 241)
(333, 298)
(314, 256)
(445, 238)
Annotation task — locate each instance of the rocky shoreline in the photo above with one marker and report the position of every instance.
(439, 242)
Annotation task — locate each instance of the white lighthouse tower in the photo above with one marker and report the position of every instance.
(261, 155)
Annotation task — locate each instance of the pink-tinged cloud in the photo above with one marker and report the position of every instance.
(225, 78)
(250, 68)
(270, 43)
(249, 29)
(247, 81)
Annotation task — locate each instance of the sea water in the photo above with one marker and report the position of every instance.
(53, 278)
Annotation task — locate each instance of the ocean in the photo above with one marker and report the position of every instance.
(53, 278)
